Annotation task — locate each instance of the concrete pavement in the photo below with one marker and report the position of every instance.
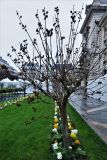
(93, 111)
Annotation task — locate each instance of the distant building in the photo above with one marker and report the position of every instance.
(31, 70)
(103, 43)
(94, 31)
(7, 71)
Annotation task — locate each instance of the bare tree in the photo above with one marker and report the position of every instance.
(53, 71)
(24, 85)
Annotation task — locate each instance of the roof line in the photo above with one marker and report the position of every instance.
(97, 8)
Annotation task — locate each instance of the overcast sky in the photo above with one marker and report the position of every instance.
(10, 31)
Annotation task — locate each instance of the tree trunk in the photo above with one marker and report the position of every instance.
(63, 112)
(47, 86)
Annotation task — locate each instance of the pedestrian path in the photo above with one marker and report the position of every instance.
(93, 111)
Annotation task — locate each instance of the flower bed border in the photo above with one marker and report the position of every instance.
(74, 149)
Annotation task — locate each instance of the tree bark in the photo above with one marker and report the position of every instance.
(63, 113)
(47, 86)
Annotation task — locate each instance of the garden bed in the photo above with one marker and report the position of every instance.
(74, 151)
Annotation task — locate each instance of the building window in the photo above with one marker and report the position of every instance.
(105, 36)
(105, 32)
(104, 71)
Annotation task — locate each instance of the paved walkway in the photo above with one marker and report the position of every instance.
(93, 111)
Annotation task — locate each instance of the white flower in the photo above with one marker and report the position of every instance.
(55, 145)
(74, 131)
(55, 117)
(56, 113)
(70, 147)
(60, 118)
(67, 117)
(54, 130)
(59, 155)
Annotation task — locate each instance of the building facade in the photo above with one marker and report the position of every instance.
(7, 71)
(94, 36)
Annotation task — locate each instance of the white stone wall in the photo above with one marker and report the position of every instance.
(90, 24)
(97, 90)
(96, 16)
(95, 44)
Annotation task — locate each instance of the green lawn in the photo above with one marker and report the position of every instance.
(95, 147)
(21, 142)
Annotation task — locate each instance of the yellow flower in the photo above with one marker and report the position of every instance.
(73, 135)
(55, 120)
(70, 127)
(69, 124)
(56, 125)
(77, 141)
